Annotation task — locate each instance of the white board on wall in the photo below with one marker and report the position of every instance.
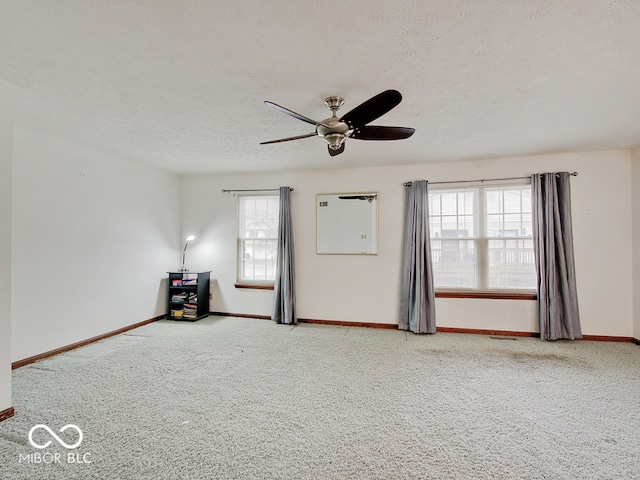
(347, 223)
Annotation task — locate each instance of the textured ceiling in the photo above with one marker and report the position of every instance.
(181, 84)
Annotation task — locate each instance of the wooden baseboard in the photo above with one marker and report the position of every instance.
(606, 338)
(508, 333)
(7, 413)
(312, 320)
(390, 326)
(480, 331)
(241, 315)
(82, 343)
(393, 326)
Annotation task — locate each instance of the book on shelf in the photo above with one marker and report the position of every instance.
(179, 297)
(176, 282)
(190, 311)
(187, 282)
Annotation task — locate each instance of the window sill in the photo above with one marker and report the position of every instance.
(488, 295)
(253, 286)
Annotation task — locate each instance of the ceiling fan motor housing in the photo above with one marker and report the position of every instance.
(336, 134)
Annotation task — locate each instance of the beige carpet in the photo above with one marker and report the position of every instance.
(229, 398)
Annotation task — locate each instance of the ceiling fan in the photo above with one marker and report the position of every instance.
(353, 124)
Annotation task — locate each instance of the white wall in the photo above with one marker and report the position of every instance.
(635, 181)
(6, 136)
(93, 238)
(366, 288)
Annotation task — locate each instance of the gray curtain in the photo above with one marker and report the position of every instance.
(284, 294)
(417, 296)
(555, 264)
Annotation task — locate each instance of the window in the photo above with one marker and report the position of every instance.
(257, 238)
(481, 238)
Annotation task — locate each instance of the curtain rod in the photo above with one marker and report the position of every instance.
(224, 190)
(406, 184)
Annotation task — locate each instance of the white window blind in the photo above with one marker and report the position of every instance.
(481, 237)
(257, 238)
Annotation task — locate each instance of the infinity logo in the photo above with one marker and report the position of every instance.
(58, 439)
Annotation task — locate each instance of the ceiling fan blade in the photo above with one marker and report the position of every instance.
(333, 153)
(374, 132)
(293, 114)
(373, 108)
(369, 198)
(290, 138)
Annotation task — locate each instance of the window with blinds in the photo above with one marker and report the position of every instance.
(481, 237)
(257, 238)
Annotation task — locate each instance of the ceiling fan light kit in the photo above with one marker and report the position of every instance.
(334, 140)
(335, 131)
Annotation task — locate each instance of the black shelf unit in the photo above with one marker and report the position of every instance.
(188, 297)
